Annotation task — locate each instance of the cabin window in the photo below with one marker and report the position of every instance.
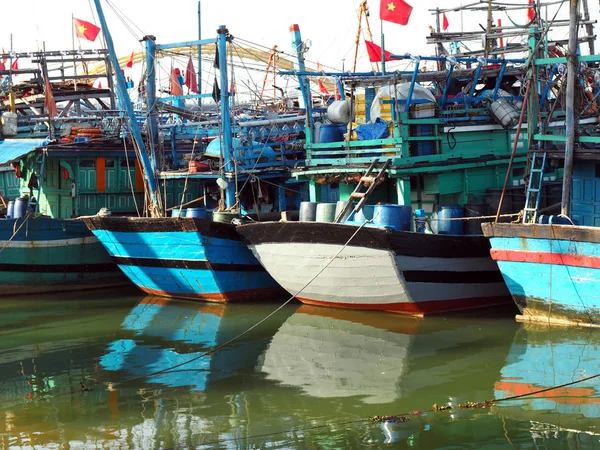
(518, 172)
(124, 163)
(87, 163)
(110, 163)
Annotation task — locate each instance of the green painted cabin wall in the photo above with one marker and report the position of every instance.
(9, 185)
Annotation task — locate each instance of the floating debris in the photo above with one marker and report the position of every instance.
(437, 407)
(469, 405)
(418, 412)
(391, 419)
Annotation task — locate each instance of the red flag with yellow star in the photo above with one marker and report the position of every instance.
(49, 102)
(85, 30)
(397, 11)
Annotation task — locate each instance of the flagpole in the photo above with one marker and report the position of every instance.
(382, 48)
(74, 56)
(199, 56)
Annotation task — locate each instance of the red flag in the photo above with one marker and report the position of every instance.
(130, 61)
(49, 102)
(176, 88)
(397, 11)
(531, 11)
(374, 52)
(191, 81)
(445, 23)
(15, 64)
(322, 88)
(4, 53)
(85, 29)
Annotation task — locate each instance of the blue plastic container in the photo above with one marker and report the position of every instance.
(332, 132)
(175, 212)
(420, 221)
(456, 227)
(365, 213)
(421, 148)
(196, 213)
(398, 217)
(20, 207)
(10, 210)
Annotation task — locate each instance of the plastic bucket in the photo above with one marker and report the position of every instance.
(10, 209)
(365, 213)
(20, 208)
(476, 210)
(398, 217)
(308, 211)
(325, 212)
(196, 213)
(176, 212)
(332, 132)
(444, 226)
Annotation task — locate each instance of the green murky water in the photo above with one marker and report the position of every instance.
(308, 378)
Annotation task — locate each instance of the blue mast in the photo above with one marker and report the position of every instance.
(126, 104)
(227, 140)
(298, 46)
(151, 95)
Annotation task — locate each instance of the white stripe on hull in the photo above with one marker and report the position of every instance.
(88, 240)
(357, 276)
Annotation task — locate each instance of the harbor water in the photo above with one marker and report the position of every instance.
(123, 370)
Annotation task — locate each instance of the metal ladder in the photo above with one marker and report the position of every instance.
(368, 181)
(534, 187)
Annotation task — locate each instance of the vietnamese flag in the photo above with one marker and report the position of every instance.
(445, 23)
(374, 52)
(15, 64)
(49, 102)
(397, 11)
(191, 80)
(85, 30)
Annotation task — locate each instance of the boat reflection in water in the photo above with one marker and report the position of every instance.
(541, 358)
(307, 377)
(166, 333)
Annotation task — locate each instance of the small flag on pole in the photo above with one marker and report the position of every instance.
(445, 23)
(531, 11)
(15, 64)
(85, 30)
(397, 11)
(176, 88)
(191, 80)
(322, 88)
(49, 102)
(374, 52)
(130, 60)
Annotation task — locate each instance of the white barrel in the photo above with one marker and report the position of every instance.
(339, 111)
(505, 113)
(9, 124)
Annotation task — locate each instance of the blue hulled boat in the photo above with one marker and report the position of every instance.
(199, 255)
(551, 263)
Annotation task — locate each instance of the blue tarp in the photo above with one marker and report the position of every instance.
(11, 149)
(376, 130)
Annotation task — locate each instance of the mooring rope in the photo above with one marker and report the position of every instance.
(15, 232)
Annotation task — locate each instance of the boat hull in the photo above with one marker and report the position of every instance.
(387, 270)
(39, 255)
(185, 257)
(552, 271)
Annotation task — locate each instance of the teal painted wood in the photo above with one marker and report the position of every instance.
(51, 255)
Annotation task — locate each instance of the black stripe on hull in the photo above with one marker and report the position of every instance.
(206, 227)
(448, 277)
(403, 243)
(58, 268)
(186, 264)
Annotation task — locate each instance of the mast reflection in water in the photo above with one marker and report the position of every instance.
(308, 377)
